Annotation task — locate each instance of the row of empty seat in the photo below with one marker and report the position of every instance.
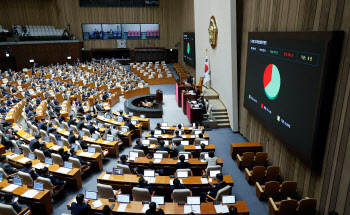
(39, 30)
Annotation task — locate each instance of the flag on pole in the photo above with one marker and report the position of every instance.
(206, 70)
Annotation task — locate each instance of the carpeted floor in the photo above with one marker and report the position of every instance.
(221, 138)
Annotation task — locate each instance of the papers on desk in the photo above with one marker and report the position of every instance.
(184, 136)
(105, 142)
(198, 147)
(10, 187)
(86, 154)
(221, 209)
(150, 180)
(63, 170)
(25, 136)
(145, 208)
(172, 181)
(66, 133)
(89, 139)
(55, 148)
(59, 129)
(12, 156)
(203, 161)
(151, 146)
(192, 208)
(30, 138)
(23, 160)
(97, 204)
(157, 160)
(210, 180)
(30, 194)
(122, 207)
(106, 176)
(165, 127)
(40, 165)
(193, 136)
(204, 180)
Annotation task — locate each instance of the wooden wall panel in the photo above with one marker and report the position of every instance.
(330, 186)
(174, 17)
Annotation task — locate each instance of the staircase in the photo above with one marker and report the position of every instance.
(219, 111)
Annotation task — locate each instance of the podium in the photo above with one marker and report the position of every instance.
(193, 114)
(187, 96)
(179, 86)
(159, 96)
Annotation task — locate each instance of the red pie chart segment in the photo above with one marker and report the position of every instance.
(268, 75)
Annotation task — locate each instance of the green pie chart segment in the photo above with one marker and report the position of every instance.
(272, 81)
(188, 48)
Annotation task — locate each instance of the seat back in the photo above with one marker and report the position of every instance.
(272, 173)
(7, 209)
(98, 149)
(26, 178)
(271, 189)
(65, 141)
(53, 138)
(288, 207)
(260, 159)
(65, 125)
(4, 175)
(188, 153)
(86, 132)
(74, 128)
(180, 195)
(141, 194)
(288, 189)
(153, 141)
(165, 153)
(105, 191)
(47, 183)
(223, 191)
(26, 149)
(140, 152)
(307, 207)
(43, 133)
(216, 167)
(57, 159)
(258, 174)
(184, 170)
(76, 163)
(247, 159)
(126, 169)
(39, 155)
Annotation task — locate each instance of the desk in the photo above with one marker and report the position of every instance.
(185, 96)
(113, 100)
(169, 208)
(15, 113)
(72, 177)
(178, 90)
(136, 92)
(41, 202)
(194, 114)
(184, 137)
(191, 148)
(162, 184)
(240, 148)
(168, 164)
(2, 149)
(41, 110)
(171, 129)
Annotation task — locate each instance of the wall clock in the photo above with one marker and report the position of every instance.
(213, 32)
(121, 44)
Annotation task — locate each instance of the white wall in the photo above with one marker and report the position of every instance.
(223, 59)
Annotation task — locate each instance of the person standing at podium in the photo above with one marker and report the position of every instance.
(189, 79)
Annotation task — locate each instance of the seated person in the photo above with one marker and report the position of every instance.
(64, 154)
(35, 144)
(139, 145)
(153, 209)
(42, 124)
(71, 121)
(152, 135)
(55, 181)
(123, 161)
(56, 134)
(107, 131)
(159, 127)
(178, 147)
(177, 185)
(182, 164)
(82, 143)
(196, 126)
(7, 200)
(80, 109)
(81, 207)
(232, 210)
(60, 118)
(92, 127)
(28, 168)
(161, 147)
(129, 124)
(203, 149)
(177, 135)
(200, 137)
(221, 184)
(211, 160)
(144, 184)
(106, 210)
(73, 153)
(6, 166)
(151, 167)
(81, 124)
(72, 138)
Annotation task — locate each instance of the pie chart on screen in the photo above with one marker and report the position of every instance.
(188, 48)
(272, 81)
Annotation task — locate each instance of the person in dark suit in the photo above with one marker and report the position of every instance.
(60, 118)
(5, 93)
(159, 127)
(7, 200)
(56, 134)
(177, 185)
(81, 124)
(64, 154)
(221, 184)
(73, 153)
(178, 147)
(71, 138)
(129, 124)
(232, 210)
(6, 166)
(203, 149)
(106, 210)
(82, 143)
(123, 161)
(161, 147)
(88, 116)
(144, 184)
(80, 110)
(153, 209)
(189, 79)
(138, 145)
(177, 134)
(182, 164)
(51, 112)
(152, 135)
(54, 181)
(27, 94)
(35, 144)
(92, 127)
(197, 91)
(3, 110)
(81, 207)
(105, 96)
(29, 169)
(38, 100)
(71, 121)
(50, 128)
(151, 167)
(42, 124)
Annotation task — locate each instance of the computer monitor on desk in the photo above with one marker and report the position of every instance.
(38, 186)
(159, 200)
(149, 173)
(123, 198)
(193, 200)
(90, 195)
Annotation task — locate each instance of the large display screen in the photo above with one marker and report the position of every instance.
(189, 48)
(288, 86)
